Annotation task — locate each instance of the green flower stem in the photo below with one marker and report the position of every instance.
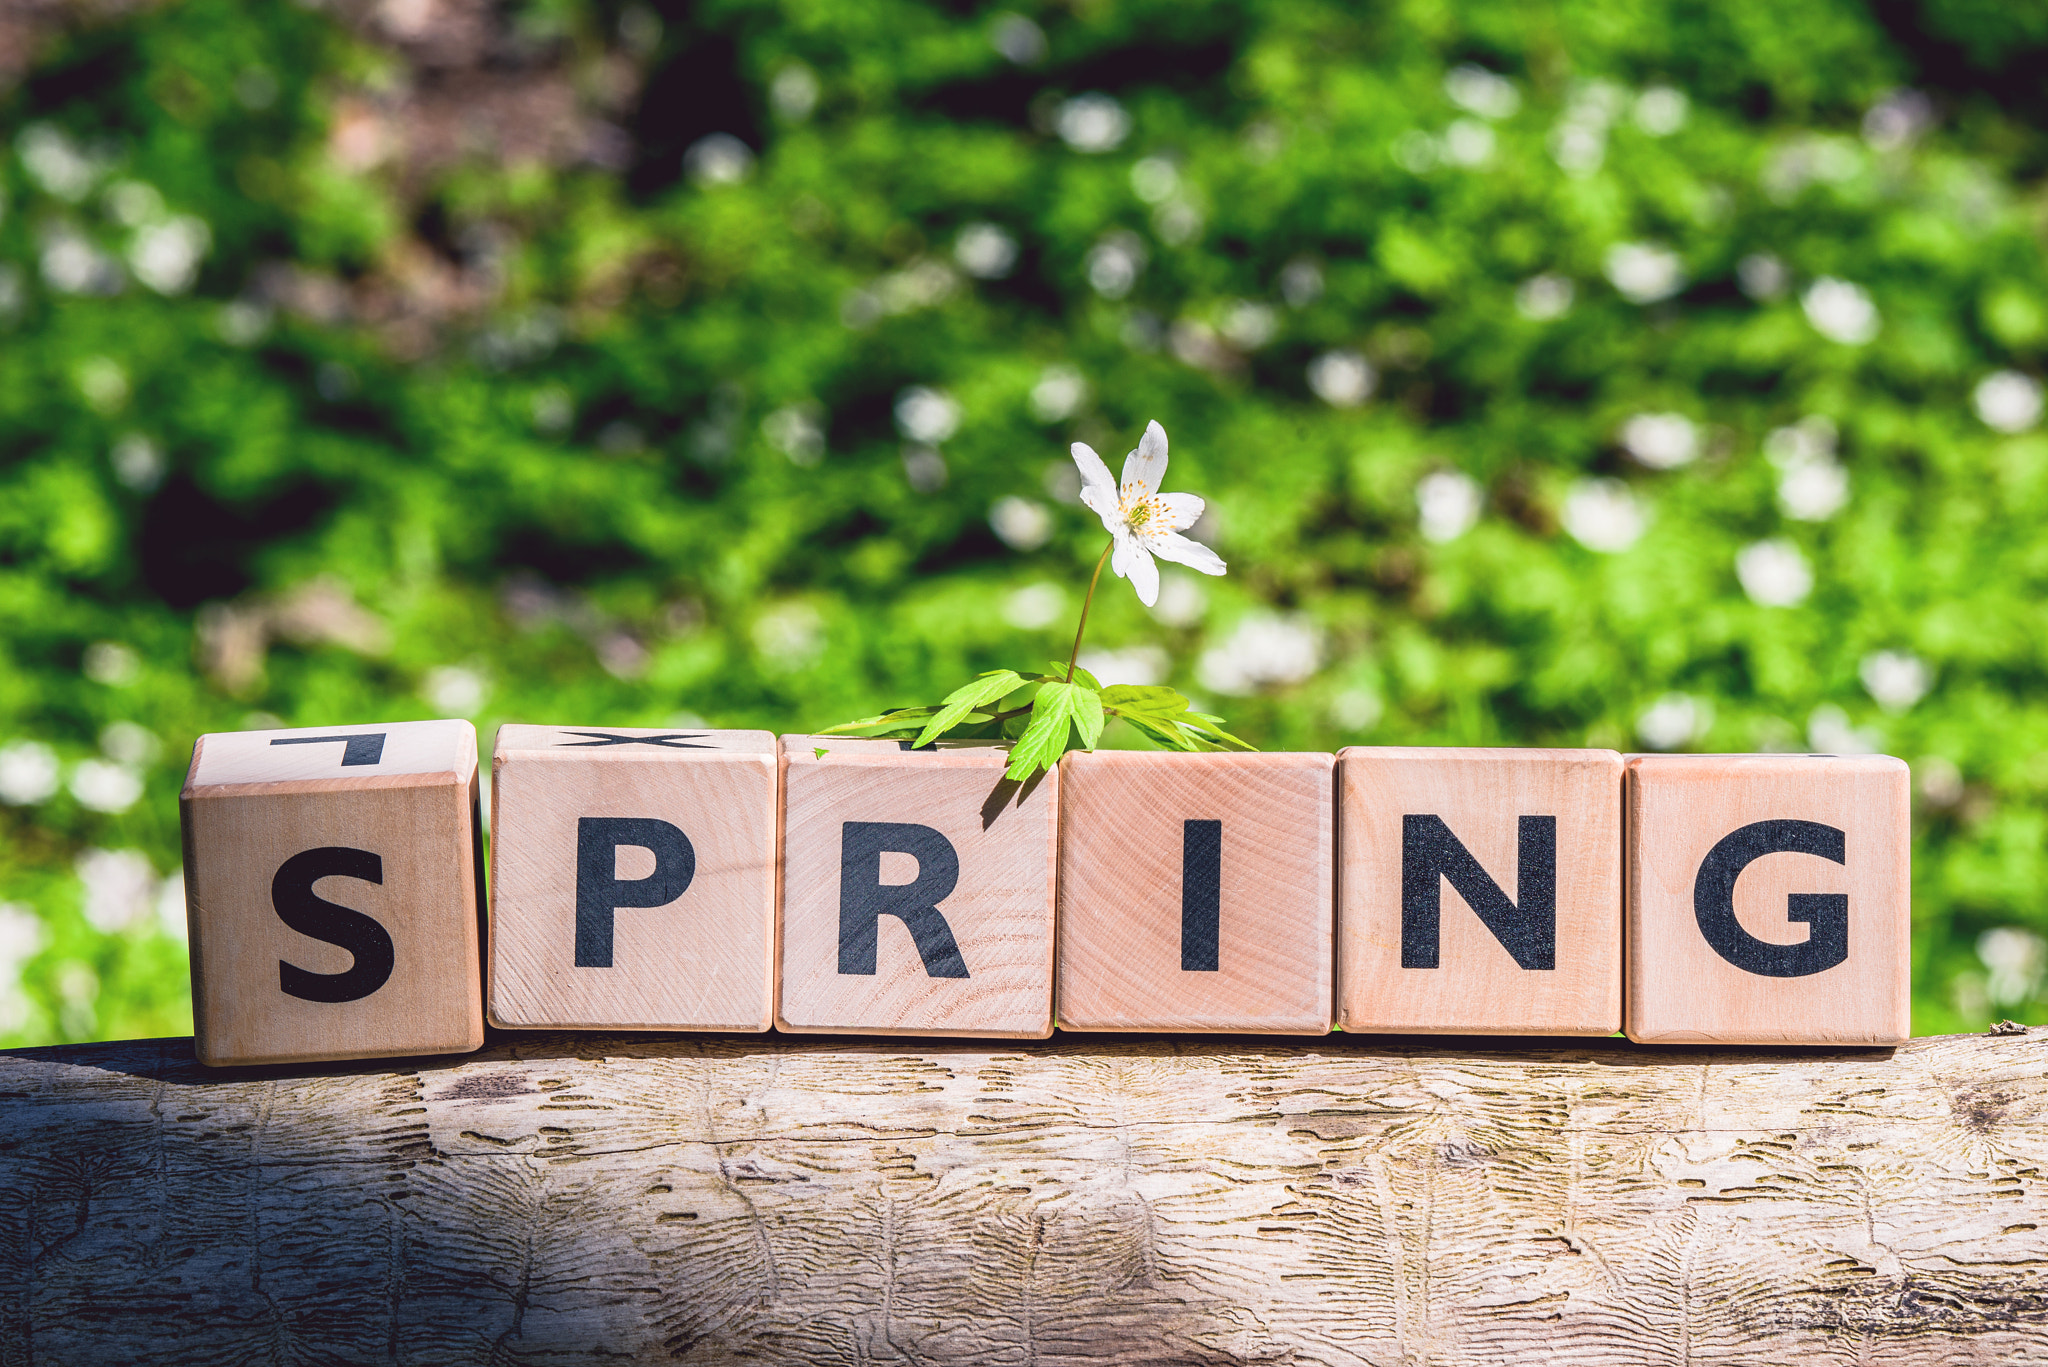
(1086, 603)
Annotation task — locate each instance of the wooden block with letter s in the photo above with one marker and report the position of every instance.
(1769, 899)
(1197, 892)
(1479, 891)
(917, 890)
(632, 879)
(333, 882)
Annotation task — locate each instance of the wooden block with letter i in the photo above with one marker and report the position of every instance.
(1769, 899)
(917, 890)
(632, 879)
(1479, 891)
(1197, 892)
(334, 884)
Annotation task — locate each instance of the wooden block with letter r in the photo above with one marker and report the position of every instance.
(1479, 891)
(632, 879)
(1769, 899)
(1197, 892)
(334, 885)
(917, 890)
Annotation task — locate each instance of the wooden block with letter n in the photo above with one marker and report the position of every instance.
(632, 879)
(917, 890)
(1479, 891)
(334, 883)
(1196, 892)
(1769, 899)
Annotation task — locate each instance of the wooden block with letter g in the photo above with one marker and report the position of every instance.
(1479, 891)
(1769, 899)
(917, 890)
(632, 879)
(334, 884)
(1196, 892)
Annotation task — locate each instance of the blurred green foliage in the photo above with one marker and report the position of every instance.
(1557, 373)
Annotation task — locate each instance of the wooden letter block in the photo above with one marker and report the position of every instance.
(1197, 892)
(632, 879)
(335, 888)
(916, 890)
(1769, 899)
(1479, 891)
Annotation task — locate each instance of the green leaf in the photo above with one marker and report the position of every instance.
(819, 751)
(993, 686)
(1144, 700)
(906, 719)
(1059, 675)
(1088, 716)
(1045, 739)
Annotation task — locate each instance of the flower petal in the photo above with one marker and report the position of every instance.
(1177, 548)
(1094, 474)
(1181, 511)
(1146, 466)
(1123, 550)
(1143, 574)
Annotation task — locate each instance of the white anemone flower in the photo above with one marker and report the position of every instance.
(1142, 521)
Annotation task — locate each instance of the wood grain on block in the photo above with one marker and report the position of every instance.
(333, 884)
(917, 890)
(1769, 899)
(632, 879)
(1479, 891)
(1196, 892)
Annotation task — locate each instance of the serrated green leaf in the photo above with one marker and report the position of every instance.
(990, 687)
(1081, 676)
(1045, 739)
(901, 718)
(1088, 716)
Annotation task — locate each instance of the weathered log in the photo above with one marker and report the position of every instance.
(712, 1200)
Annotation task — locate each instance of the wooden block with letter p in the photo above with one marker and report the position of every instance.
(1196, 892)
(1479, 891)
(1769, 899)
(334, 885)
(917, 890)
(632, 879)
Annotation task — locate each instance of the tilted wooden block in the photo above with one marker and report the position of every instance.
(1769, 899)
(917, 891)
(1479, 891)
(334, 884)
(1196, 892)
(632, 879)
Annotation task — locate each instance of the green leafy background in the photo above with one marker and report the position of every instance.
(379, 361)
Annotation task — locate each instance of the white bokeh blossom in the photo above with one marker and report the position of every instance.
(1262, 651)
(1774, 573)
(2008, 401)
(1841, 311)
(1448, 502)
(1602, 515)
(1141, 521)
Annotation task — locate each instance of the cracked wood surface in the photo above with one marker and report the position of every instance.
(568, 1199)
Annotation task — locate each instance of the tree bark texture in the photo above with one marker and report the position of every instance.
(575, 1199)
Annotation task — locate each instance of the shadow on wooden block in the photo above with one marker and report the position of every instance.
(334, 890)
(917, 891)
(1196, 892)
(632, 879)
(1479, 891)
(1769, 899)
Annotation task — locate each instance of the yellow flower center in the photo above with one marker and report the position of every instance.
(1143, 515)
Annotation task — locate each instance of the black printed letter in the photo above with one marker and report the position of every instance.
(1201, 895)
(1430, 853)
(299, 907)
(599, 889)
(864, 899)
(1713, 901)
